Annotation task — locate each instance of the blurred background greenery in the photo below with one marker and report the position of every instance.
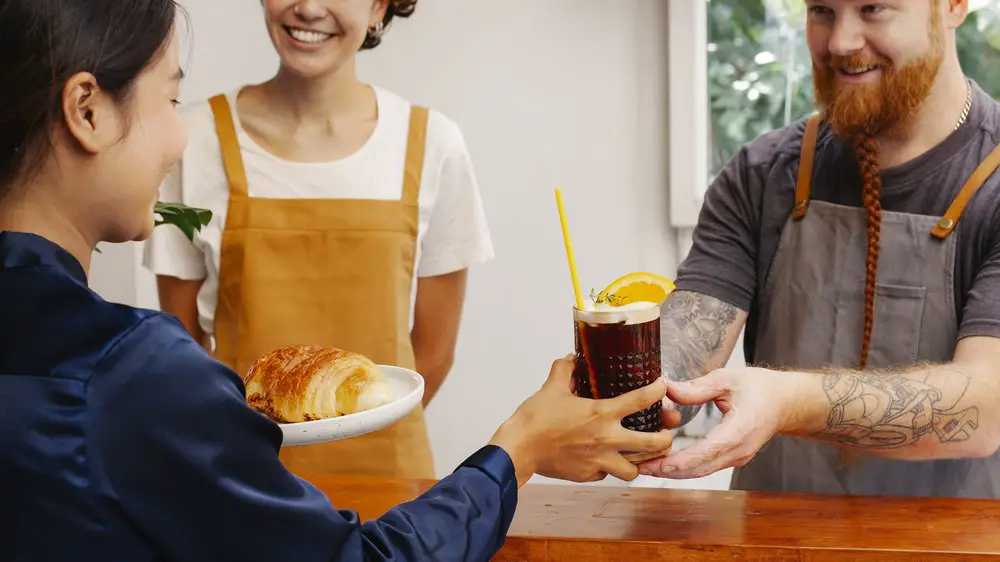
(759, 71)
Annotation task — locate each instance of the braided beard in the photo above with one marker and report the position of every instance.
(866, 151)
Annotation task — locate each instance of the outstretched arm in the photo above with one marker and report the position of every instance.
(217, 475)
(697, 336)
(925, 412)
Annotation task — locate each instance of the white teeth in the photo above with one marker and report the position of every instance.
(308, 36)
(861, 70)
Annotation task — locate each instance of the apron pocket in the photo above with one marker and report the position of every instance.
(899, 312)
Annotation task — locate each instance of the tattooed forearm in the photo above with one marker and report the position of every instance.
(697, 335)
(891, 410)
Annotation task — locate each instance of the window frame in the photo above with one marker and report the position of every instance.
(689, 112)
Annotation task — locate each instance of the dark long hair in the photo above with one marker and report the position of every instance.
(43, 43)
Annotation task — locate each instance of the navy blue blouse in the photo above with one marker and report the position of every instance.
(121, 439)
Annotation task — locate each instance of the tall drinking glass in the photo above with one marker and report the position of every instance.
(617, 351)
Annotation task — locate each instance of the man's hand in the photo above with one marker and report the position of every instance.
(756, 404)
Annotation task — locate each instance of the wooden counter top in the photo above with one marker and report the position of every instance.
(586, 523)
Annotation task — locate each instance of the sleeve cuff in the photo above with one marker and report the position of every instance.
(445, 263)
(497, 464)
(982, 327)
(170, 257)
(730, 295)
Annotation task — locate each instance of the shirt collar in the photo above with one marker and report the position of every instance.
(22, 249)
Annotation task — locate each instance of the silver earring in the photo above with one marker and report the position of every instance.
(376, 30)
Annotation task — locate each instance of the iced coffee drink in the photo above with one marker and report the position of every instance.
(617, 351)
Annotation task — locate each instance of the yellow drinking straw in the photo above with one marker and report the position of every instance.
(569, 250)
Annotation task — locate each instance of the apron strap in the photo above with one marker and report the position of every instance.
(950, 219)
(232, 160)
(416, 144)
(802, 185)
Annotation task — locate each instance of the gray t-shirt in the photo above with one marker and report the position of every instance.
(747, 206)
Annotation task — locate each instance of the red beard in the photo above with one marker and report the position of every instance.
(870, 110)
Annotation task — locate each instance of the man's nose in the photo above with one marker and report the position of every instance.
(847, 37)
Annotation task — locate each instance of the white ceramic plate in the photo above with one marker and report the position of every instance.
(406, 384)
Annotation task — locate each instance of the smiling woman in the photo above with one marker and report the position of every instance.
(360, 212)
(373, 38)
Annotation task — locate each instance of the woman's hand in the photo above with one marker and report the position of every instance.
(557, 434)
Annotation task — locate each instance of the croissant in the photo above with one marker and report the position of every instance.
(305, 383)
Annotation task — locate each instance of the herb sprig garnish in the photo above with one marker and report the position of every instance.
(610, 298)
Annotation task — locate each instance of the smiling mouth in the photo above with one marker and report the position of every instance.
(305, 36)
(859, 70)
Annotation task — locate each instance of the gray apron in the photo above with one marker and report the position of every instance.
(812, 316)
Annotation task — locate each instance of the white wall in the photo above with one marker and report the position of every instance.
(113, 273)
(568, 93)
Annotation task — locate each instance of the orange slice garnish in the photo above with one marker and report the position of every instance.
(637, 287)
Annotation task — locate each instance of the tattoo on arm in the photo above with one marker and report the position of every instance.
(693, 331)
(891, 409)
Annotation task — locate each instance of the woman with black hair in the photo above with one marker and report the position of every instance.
(344, 217)
(121, 439)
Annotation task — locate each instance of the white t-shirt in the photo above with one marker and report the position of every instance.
(452, 235)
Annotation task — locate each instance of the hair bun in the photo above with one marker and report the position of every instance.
(403, 8)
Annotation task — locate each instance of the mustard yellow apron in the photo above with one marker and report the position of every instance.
(329, 272)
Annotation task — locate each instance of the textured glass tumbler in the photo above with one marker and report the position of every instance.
(618, 351)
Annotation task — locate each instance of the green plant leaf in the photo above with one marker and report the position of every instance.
(188, 219)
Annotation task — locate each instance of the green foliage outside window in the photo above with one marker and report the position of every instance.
(759, 70)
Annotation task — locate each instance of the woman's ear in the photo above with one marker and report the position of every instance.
(378, 11)
(89, 113)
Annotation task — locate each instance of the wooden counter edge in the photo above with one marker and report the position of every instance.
(729, 524)
(550, 549)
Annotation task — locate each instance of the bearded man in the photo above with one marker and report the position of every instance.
(861, 250)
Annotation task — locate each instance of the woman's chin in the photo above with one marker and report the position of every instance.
(131, 233)
(145, 231)
(312, 66)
